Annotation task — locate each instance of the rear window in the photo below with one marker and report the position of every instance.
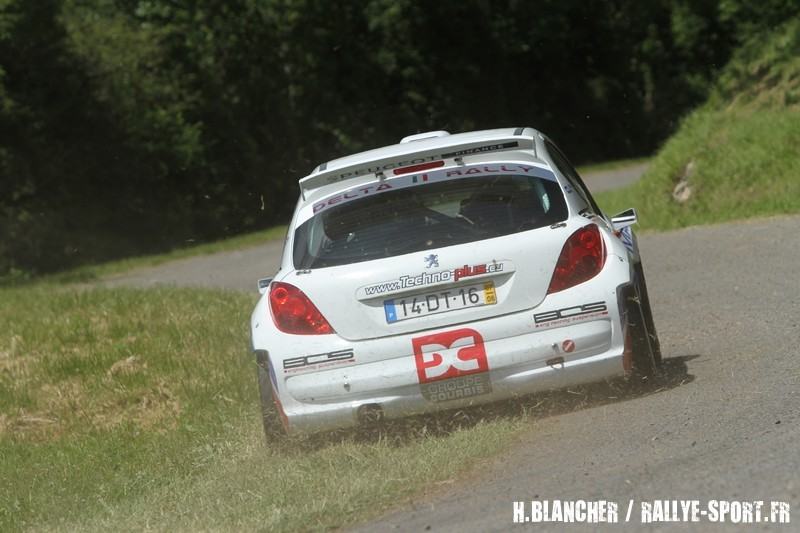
(434, 215)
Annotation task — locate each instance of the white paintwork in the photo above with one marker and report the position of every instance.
(629, 217)
(384, 369)
(404, 154)
(423, 136)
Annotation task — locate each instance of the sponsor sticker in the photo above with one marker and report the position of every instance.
(415, 180)
(568, 315)
(456, 388)
(352, 194)
(475, 270)
(626, 236)
(423, 279)
(481, 149)
(383, 166)
(318, 361)
(492, 169)
(451, 365)
(380, 167)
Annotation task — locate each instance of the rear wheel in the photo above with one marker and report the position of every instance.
(645, 347)
(648, 316)
(270, 416)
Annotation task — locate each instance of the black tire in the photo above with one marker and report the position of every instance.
(650, 325)
(270, 417)
(646, 354)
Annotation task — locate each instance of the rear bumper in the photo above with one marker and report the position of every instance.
(320, 417)
(521, 364)
(571, 338)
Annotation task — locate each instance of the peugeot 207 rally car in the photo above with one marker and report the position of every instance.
(444, 271)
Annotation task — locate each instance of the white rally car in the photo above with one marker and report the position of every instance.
(444, 271)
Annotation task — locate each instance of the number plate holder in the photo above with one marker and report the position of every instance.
(434, 302)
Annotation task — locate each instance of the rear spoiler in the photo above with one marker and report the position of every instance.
(410, 156)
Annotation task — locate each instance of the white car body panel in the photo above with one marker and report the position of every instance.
(527, 341)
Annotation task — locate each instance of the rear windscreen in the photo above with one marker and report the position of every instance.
(434, 215)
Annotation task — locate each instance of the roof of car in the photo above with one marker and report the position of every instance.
(419, 148)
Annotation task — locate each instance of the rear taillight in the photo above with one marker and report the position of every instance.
(581, 259)
(294, 313)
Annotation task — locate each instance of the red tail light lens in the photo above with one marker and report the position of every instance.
(581, 259)
(294, 313)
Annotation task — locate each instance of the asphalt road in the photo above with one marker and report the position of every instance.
(606, 180)
(723, 424)
(238, 270)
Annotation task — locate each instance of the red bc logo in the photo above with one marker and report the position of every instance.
(449, 354)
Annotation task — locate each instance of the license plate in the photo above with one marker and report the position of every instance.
(441, 301)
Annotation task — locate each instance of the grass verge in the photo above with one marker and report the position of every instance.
(737, 155)
(745, 162)
(128, 409)
(137, 409)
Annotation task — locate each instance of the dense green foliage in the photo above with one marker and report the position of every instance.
(136, 125)
(742, 144)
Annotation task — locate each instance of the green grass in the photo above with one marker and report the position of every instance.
(743, 144)
(77, 433)
(137, 409)
(245, 486)
(746, 164)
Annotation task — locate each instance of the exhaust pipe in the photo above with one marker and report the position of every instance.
(369, 414)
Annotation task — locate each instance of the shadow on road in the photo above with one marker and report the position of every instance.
(674, 373)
